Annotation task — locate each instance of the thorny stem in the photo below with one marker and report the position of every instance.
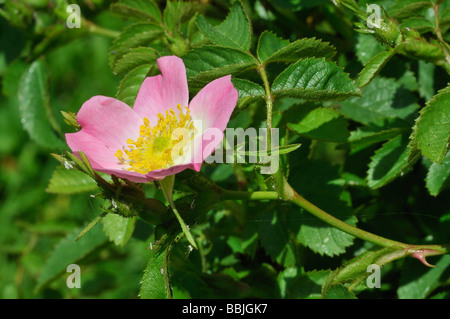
(269, 105)
(337, 223)
(444, 44)
(289, 194)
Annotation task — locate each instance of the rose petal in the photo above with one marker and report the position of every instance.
(109, 120)
(205, 146)
(161, 173)
(107, 123)
(101, 157)
(131, 176)
(159, 93)
(214, 103)
(94, 149)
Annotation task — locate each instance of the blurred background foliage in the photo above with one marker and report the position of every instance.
(240, 258)
(32, 220)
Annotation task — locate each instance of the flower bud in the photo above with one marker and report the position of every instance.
(71, 119)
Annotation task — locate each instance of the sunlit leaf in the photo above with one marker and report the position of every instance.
(140, 10)
(207, 63)
(70, 181)
(34, 106)
(154, 284)
(234, 31)
(313, 79)
(118, 228)
(69, 251)
(130, 84)
(438, 176)
(432, 130)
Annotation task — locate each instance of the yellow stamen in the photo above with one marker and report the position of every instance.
(156, 146)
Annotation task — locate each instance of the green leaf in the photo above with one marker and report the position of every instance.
(211, 62)
(324, 239)
(420, 24)
(11, 77)
(70, 181)
(338, 292)
(314, 79)
(366, 47)
(389, 162)
(314, 180)
(426, 79)
(178, 12)
(69, 251)
(418, 283)
(408, 8)
(438, 176)
(140, 10)
(91, 224)
(303, 48)
(295, 5)
(432, 130)
(445, 218)
(276, 239)
(318, 123)
(285, 149)
(118, 228)
(34, 106)
(248, 91)
(408, 81)
(135, 58)
(233, 32)
(374, 66)
(155, 282)
(133, 36)
(373, 133)
(444, 20)
(80, 163)
(268, 44)
(296, 283)
(280, 150)
(383, 98)
(130, 84)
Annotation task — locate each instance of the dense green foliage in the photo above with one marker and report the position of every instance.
(364, 125)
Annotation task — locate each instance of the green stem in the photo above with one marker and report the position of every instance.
(444, 44)
(269, 105)
(165, 268)
(259, 195)
(184, 227)
(349, 229)
(333, 221)
(93, 28)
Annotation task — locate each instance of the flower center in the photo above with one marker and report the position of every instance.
(161, 145)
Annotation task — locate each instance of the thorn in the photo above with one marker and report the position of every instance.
(422, 254)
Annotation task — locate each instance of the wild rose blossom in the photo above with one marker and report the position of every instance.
(163, 134)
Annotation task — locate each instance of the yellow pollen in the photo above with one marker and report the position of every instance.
(157, 146)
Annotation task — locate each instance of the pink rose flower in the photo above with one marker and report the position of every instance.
(163, 134)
